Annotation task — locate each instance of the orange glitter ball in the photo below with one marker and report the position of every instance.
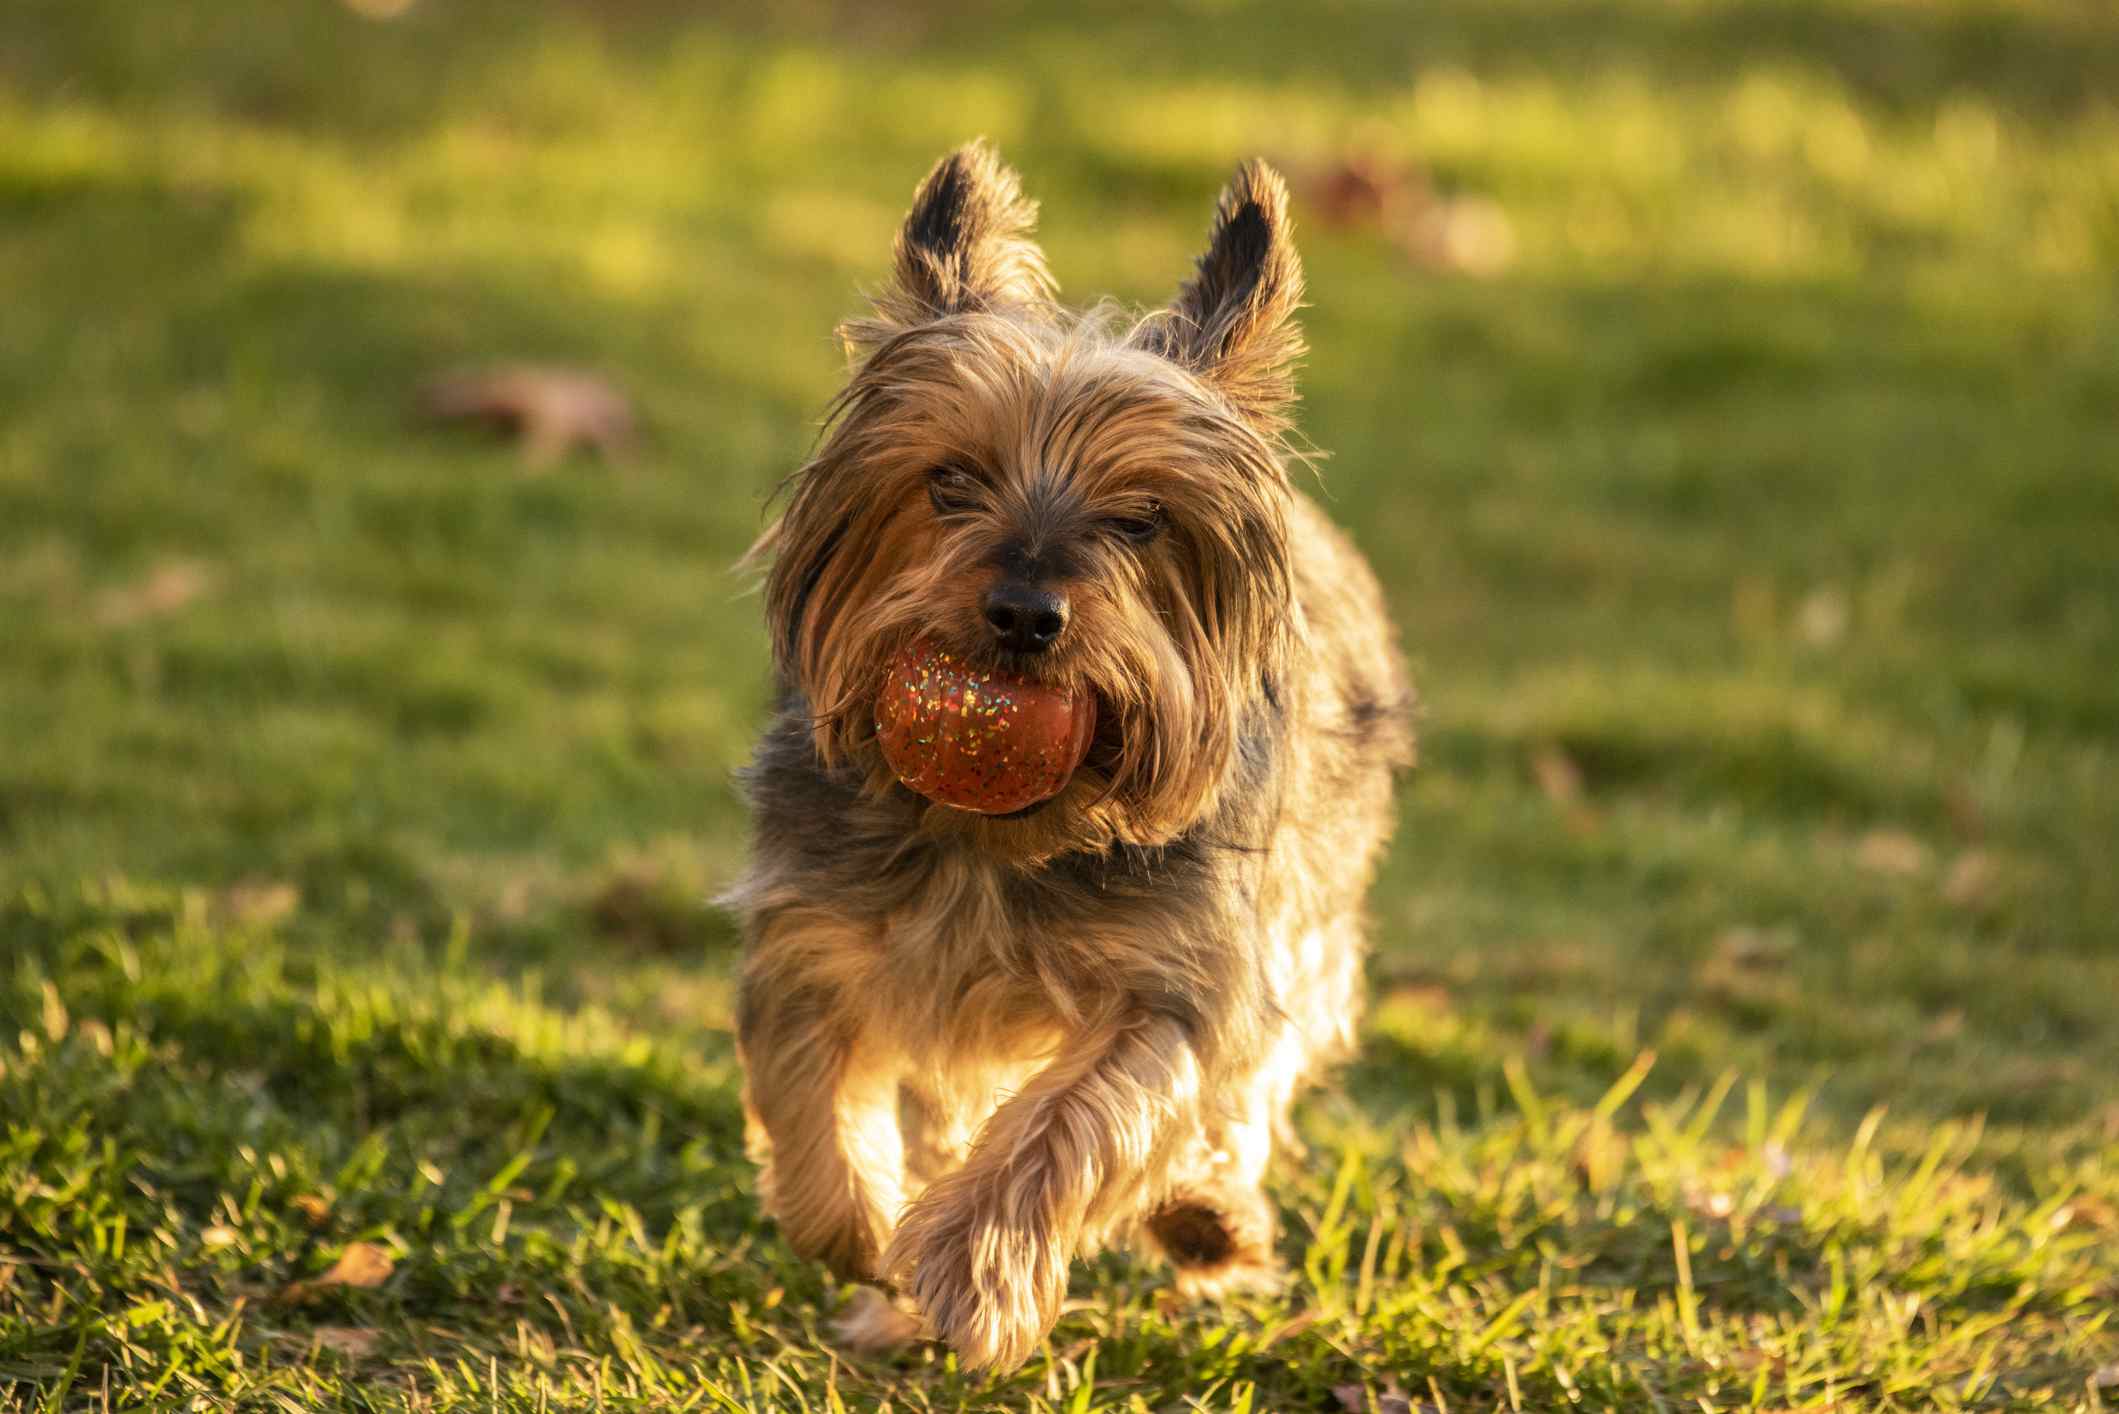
(985, 742)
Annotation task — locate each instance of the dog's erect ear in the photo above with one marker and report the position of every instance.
(966, 244)
(1233, 322)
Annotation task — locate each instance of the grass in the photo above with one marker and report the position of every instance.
(362, 1023)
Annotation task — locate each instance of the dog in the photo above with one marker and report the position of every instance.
(978, 1046)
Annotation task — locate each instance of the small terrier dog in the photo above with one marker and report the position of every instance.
(976, 1046)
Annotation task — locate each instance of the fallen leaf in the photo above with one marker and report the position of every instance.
(260, 902)
(1891, 852)
(362, 1265)
(349, 1341)
(1970, 882)
(1361, 190)
(166, 588)
(1468, 233)
(551, 412)
(1557, 775)
(314, 1207)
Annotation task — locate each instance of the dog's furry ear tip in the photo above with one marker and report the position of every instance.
(1256, 189)
(967, 242)
(1233, 321)
(1251, 253)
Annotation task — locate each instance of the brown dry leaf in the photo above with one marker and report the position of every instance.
(349, 1341)
(1469, 234)
(1557, 775)
(1970, 882)
(164, 590)
(551, 412)
(1892, 852)
(1360, 189)
(314, 1208)
(260, 902)
(362, 1264)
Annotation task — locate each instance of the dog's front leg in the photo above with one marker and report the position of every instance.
(984, 1252)
(820, 1094)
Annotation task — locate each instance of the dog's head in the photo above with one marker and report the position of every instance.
(1085, 500)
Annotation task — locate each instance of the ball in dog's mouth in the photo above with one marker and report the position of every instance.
(989, 742)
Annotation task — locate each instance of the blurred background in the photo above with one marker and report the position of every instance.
(1726, 390)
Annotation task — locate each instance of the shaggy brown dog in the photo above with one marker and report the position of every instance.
(977, 1046)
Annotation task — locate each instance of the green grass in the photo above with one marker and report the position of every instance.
(360, 793)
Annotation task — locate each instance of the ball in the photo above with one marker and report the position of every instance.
(981, 741)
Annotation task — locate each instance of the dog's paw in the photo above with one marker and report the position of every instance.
(1220, 1242)
(989, 1290)
(873, 1324)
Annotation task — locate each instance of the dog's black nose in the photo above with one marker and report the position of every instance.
(1025, 618)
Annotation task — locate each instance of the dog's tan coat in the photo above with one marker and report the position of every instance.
(976, 1048)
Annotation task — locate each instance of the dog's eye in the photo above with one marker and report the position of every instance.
(1138, 529)
(951, 489)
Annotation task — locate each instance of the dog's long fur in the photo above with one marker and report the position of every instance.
(976, 1047)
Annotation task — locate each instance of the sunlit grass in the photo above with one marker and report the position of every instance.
(1752, 530)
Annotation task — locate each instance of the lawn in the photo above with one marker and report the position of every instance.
(1746, 1022)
